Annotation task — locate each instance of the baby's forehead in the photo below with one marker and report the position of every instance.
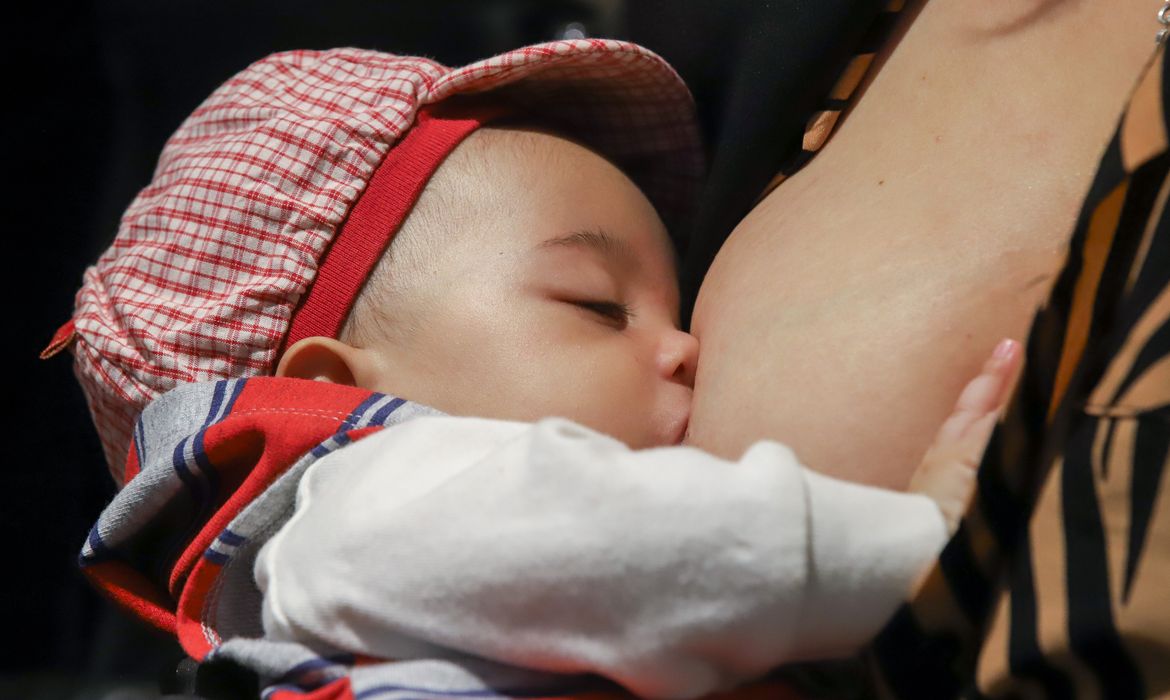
(537, 196)
(537, 155)
(490, 150)
(531, 146)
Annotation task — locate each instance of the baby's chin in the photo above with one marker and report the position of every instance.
(675, 432)
(664, 431)
(645, 439)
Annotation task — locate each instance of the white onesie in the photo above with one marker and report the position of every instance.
(553, 547)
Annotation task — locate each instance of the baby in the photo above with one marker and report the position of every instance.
(530, 289)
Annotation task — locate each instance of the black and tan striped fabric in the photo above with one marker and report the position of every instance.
(1057, 584)
(820, 125)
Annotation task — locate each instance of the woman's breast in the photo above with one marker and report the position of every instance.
(846, 311)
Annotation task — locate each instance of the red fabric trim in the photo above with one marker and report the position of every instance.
(132, 467)
(247, 459)
(60, 340)
(193, 636)
(374, 219)
(133, 592)
(339, 689)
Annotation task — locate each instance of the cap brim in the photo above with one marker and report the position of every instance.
(618, 98)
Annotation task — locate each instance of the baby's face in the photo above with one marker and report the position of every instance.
(558, 298)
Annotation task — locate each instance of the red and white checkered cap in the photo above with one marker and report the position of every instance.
(218, 255)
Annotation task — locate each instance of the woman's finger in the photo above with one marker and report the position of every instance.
(984, 394)
(970, 447)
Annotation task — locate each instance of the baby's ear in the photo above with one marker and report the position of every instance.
(320, 359)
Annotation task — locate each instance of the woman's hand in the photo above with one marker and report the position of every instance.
(947, 472)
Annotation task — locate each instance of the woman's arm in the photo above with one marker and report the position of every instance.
(874, 281)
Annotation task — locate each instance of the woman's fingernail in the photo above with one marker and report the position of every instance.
(1004, 350)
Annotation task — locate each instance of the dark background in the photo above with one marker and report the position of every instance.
(95, 88)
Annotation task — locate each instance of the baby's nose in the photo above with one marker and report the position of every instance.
(678, 354)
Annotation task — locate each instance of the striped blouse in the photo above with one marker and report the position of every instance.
(1057, 583)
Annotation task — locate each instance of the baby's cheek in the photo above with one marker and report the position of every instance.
(635, 419)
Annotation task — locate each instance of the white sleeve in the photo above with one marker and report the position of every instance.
(553, 547)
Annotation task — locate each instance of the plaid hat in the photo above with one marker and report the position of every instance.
(275, 198)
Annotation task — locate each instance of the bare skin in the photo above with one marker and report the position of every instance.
(583, 326)
(844, 312)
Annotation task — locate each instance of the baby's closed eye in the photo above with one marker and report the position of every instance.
(617, 312)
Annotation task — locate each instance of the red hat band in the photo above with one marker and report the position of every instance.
(376, 216)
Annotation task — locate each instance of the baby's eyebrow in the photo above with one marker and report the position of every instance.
(594, 239)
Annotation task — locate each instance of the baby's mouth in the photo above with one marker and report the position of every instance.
(683, 431)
